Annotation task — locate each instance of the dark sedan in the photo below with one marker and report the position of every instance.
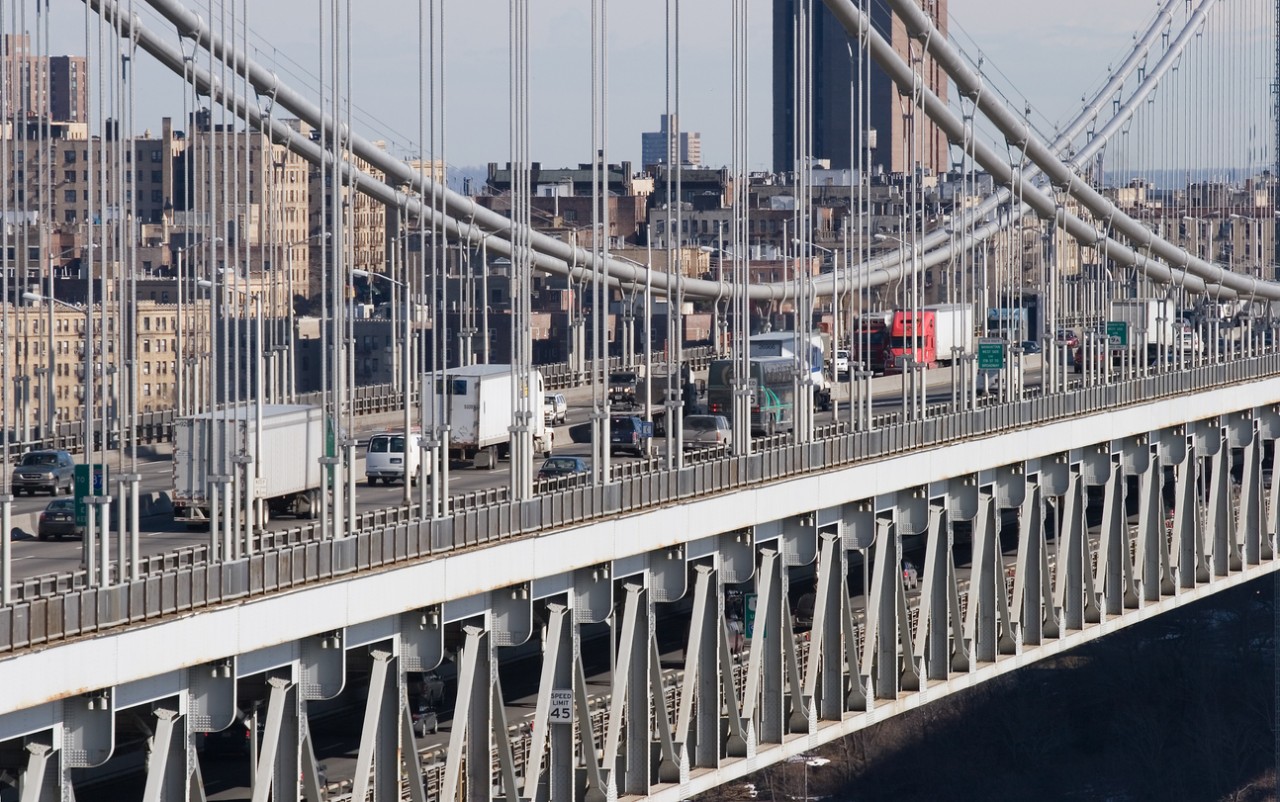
(556, 467)
(59, 520)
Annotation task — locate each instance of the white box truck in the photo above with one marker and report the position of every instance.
(1158, 317)
(953, 327)
(475, 402)
(215, 444)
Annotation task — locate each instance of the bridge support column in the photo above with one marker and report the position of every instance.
(625, 689)
(699, 726)
(1251, 512)
(1187, 540)
(1155, 577)
(825, 663)
(312, 790)
(279, 767)
(169, 754)
(886, 620)
(940, 633)
(1032, 615)
(379, 737)
(762, 706)
(41, 778)
(1070, 566)
(557, 657)
(987, 621)
(470, 732)
(1269, 537)
(639, 758)
(1221, 537)
(1113, 548)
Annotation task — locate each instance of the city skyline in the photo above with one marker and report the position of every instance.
(476, 128)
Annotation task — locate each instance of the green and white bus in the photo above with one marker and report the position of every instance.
(773, 382)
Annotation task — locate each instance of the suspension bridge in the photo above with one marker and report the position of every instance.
(1119, 469)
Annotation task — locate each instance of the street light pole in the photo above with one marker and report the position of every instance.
(920, 383)
(180, 342)
(835, 318)
(95, 500)
(405, 386)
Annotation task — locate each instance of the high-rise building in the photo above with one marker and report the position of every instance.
(55, 88)
(653, 144)
(51, 174)
(900, 141)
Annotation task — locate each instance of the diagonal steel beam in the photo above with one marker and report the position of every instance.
(370, 731)
(542, 708)
(158, 755)
(622, 673)
(693, 654)
(312, 791)
(34, 775)
(265, 770)
(458, 735)
(1250, 507)
(409, 754)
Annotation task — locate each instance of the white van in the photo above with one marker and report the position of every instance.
(385, 457)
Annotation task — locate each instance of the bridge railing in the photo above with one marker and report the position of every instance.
(397, 536)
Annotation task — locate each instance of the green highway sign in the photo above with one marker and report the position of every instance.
(749, 614)
(1118, 329)
(991, 355)
(84, 488)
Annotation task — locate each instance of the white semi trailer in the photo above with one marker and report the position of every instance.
(219, 443)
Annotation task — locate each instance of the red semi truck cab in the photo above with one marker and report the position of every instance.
(912, 335)
(870, 345)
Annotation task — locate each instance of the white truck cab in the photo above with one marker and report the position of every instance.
(385, 457)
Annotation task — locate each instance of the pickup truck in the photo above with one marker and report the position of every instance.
(630, 433)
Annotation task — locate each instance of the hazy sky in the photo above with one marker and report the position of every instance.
(1050, 53)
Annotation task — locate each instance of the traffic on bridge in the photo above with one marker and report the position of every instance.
(334, 470)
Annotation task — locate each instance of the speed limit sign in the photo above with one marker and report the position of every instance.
(561, 711)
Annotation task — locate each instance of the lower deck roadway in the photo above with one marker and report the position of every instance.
(336, 728)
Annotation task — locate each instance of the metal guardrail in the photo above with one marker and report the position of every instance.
(397, 536)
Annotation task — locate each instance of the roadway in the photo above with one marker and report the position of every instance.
(160, 535)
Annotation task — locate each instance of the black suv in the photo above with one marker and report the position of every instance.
(629, 433)
(622, 389)
(53, 471)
